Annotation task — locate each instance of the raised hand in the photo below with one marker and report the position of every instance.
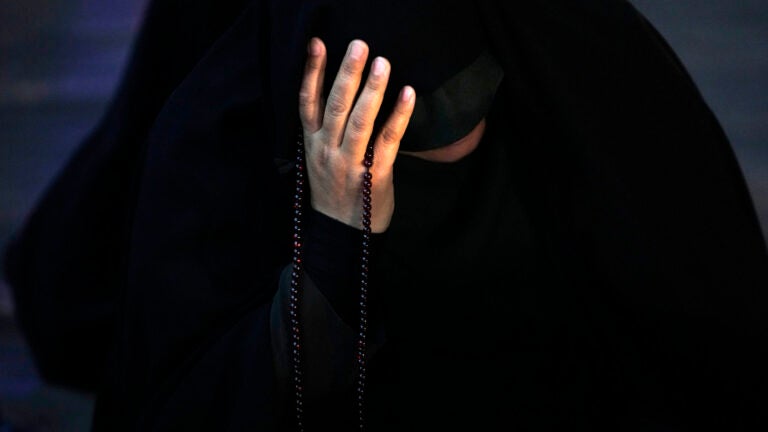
(337, 133)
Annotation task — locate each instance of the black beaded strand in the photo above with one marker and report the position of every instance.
(363, 329)
(293, 306)
(295, 294)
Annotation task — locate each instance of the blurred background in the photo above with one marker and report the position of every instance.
(61, 59)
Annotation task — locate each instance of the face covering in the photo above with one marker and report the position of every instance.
(631, 285)
(436, 47)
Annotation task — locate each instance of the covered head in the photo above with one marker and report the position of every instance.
(437, 47)
(601, 233)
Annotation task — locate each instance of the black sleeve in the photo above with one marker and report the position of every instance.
(328, 313)
(332, 259)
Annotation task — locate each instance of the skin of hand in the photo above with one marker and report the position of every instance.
(337, 132)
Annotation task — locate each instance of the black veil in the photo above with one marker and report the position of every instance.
(627, 273)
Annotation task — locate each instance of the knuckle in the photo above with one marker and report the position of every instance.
(389, 135)
(306, 98)
(375, 84)
(402, 110)
(313, 65)
(336, 106)
(350, 67)
(357, 125)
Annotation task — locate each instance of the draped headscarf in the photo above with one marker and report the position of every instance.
(596, 263)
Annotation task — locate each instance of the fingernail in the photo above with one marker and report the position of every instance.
(379, 65)
(314, 47)
(407, 94)
(356, 50)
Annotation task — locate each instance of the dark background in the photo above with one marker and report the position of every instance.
(60, 61)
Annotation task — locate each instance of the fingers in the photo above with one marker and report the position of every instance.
(310, 95)
(343, 117)
(360, 125)
(388, 141)
(344, 89)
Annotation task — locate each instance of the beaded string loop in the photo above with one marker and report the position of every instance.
(365, 253)
(295, 292)
(293, 305)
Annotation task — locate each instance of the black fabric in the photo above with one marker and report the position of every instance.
(328, 356)
(427, 41)
(595, 264)
(332, 258)
(454, 109)
(66, 265)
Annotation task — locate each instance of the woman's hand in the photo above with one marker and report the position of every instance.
(337, 133)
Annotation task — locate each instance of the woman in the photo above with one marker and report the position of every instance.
(594, 263)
